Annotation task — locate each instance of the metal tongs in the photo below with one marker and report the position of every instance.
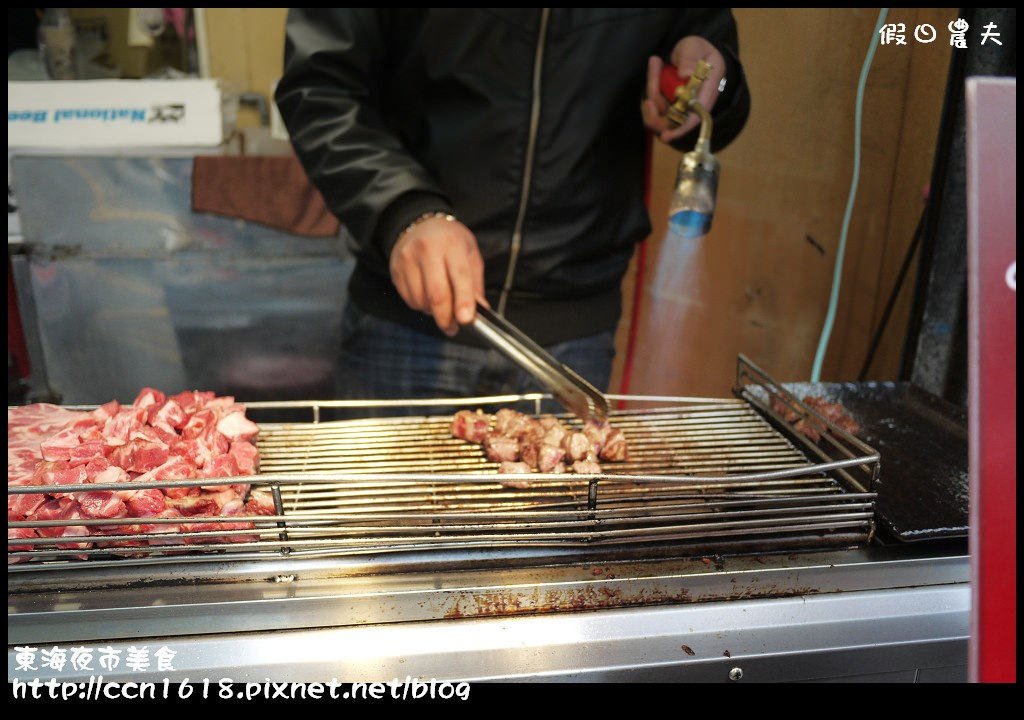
(571, 390)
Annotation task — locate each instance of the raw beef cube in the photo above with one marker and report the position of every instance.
(197, 424)
(148, 397)
(112, 474)
(20, 506)
(106, 411)
(191, 401)
(154, 435)
(71, 512)
(165, 529)
(194, 451)
(101, 504)
(144, 503)
(193, 505)
(119, 428)
(171, 414)
(222, 466)
(175, 468)
(139, 456)
(261, 502)
(59, 446)
(246, 456)
(86, 452)
(19, 534)
(59, 473)
(50, 510)
(236, 426)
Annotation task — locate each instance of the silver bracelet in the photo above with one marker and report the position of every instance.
(427, 216)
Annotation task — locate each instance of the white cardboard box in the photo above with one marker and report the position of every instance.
(114, 114)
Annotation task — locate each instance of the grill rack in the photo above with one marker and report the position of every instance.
(702, 472)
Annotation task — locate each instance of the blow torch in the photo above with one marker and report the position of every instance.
(693, 200)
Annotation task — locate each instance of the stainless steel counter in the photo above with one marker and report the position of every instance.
(879, 613)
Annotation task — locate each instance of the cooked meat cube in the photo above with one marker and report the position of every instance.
(515, 468)
(614, 449)
(576, 445)
(812, 427)
(804, 427)
(586, 467)
(834, 412)
(597, 432)
(787, 413)
(554, 434)
(549, 421)
(514, 424)
(524, 428)
(549, 458)
(503, 418)
(471, 426)
(500, 448)
(529, 453)
(848, 424)
(558, 469)
(533, 432)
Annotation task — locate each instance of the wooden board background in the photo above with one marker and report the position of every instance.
(759, 282)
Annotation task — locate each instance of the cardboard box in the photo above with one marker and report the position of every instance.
(114, 114)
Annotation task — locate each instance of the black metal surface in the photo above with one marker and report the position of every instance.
(935, 353)
(922, 440)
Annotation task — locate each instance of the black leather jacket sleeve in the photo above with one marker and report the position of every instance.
(330, 100)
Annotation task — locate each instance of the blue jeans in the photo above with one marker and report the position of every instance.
(385, 360)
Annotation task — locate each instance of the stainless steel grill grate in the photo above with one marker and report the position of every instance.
(700, 472)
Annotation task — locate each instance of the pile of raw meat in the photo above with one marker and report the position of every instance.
(811, 427)
(523, 444)
(189, 435)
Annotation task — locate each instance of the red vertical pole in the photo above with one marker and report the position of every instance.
(992, 361)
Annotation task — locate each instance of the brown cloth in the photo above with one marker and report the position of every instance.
(272, 190)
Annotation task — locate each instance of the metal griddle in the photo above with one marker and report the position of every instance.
(922, 439)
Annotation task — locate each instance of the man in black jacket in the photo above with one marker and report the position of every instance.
(492, 155)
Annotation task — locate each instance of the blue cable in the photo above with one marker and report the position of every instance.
(837, 275)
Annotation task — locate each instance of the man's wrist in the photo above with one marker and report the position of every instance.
(440, 214)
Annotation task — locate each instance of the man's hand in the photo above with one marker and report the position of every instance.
(684, 56)
(437, 268)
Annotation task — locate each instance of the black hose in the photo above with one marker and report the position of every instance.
(900, 277)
